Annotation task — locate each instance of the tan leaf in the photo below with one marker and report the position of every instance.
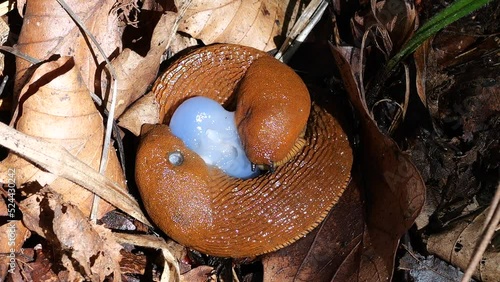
(56, 106)
(13, 234)
(48, 30)
(250, 23)
(135, 72)
(457, 246)
(145, 110)
(74, 238)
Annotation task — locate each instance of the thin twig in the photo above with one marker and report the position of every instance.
(21, 55)
(55, 159)
(288, 49)
(111, 115)
(302, 27)
(485, 240)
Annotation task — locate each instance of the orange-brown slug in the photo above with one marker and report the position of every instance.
(205, 209)
(272, 109)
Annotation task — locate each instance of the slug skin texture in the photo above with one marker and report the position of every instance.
(273, 106)
(207, 210)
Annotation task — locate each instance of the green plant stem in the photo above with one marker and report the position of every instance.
(455, 11)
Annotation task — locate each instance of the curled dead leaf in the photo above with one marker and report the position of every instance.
(144, 111)
(75, 239)
(251, 23)
(56, 105)
(457, 246)
(394, 190)
(134, 72)
(48, 30)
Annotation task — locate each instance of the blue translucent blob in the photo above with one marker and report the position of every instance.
(210, 131)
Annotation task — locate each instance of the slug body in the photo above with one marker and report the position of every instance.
(271, 98)
(203, 208)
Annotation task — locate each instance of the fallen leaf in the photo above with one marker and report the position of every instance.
(48, 30)
(13, 234)
(144, 111)
(135, 72)
(41, 269)
(75, 239)
(430, 268)
(318, 255)
(56, 105)
(251, 23)
(393, 187)
(457, 246)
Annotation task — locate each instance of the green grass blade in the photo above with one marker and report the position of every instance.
(455, 11)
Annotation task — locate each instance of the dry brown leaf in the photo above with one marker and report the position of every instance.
(56, 105)
(320, 254)
(13, 234)
(395, 21)
(48, 30)
(250, 23)
(75, 240)
(394, 189)
(41, 269)
(57, 160)
(399, 17)
(457, 245)
(134, 72)
(201, 273)
(145, 110)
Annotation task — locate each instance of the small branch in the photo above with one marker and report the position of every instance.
(111, 115)
(56, 159)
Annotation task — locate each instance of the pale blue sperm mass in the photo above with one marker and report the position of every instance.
(210, 131)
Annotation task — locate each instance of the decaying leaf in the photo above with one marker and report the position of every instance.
(48, 30)
(394, 20)
(457, 246)
(250, 23)
(423, 269)
(394, 189)
(320, 254)
(13, 234)
(143, 111)
(56, 105)
(134, 72)
(199, 274)
(76, 241)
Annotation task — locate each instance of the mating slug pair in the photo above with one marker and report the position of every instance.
(203, 208)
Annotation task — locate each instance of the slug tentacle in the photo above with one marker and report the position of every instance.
(201, 207)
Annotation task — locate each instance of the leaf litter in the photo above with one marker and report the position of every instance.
(360, 237)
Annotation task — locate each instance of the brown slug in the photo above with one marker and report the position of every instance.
(201, 207)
